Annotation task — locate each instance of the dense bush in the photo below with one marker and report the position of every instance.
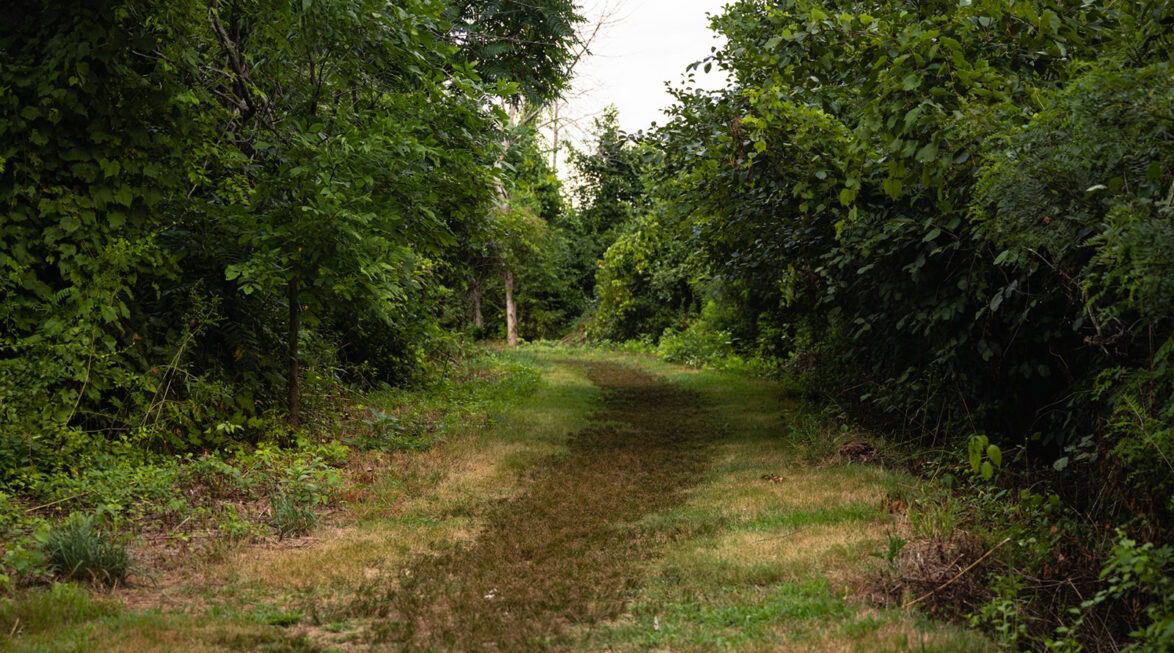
(951, 218)
(212, 209)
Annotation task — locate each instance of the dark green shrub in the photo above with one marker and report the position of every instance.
(77, 549)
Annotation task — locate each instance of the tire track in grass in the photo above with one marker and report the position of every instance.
(565, 552)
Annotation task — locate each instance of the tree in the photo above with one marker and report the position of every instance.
(610, 192)
(952, 219)
(532, 48)
(317, 95)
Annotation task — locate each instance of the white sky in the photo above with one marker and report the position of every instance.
(644, 44)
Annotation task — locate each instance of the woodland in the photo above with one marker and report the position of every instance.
(948, 224)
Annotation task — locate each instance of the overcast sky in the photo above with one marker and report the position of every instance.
(644, 44)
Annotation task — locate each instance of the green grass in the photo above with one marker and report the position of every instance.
(710, 555)
(76, 549)
(729, 619)
(755, 565)
(477, 435)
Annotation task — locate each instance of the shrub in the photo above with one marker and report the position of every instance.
(77, 550)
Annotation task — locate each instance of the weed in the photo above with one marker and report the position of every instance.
(895, 544)
(934, 520)
(76, 549)
(233, 525)
(1003, 613)
(290, 516)
(218, 478)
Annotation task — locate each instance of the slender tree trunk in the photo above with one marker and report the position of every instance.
(295, 327)
(554, 128)
(477, 292)
(511, 309)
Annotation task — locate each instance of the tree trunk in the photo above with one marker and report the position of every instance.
(511, 309)
(295, 327)
(554, 131)
(475, 294)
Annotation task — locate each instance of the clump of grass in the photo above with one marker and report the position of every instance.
(77, 550)
(291, 517)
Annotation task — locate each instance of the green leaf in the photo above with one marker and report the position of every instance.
(995, 455)
(928, 152)
(987, 470)
(124, 195)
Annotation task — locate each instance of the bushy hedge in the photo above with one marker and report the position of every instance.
(952, 218)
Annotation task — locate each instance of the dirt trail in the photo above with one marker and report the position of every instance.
(565, 552)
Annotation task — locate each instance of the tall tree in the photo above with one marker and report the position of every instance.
(532, 48)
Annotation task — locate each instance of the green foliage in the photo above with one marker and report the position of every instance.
(984, 457)
(699, 345)
(949, 218)
(1132, 571)
(1003, 613)
(77, 549)
(207, 203)
(646, 283)
(609, 191)
(529, 44)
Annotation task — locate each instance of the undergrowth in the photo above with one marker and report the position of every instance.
(77, 549)
(74, 525)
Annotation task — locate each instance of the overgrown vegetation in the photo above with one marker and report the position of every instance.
(217, 214)
(78, 550)
(244, 246)
(222, 222)
(217, 541)
(952, 220)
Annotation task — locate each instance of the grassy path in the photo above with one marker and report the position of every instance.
(593, 501)
(567, 551)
